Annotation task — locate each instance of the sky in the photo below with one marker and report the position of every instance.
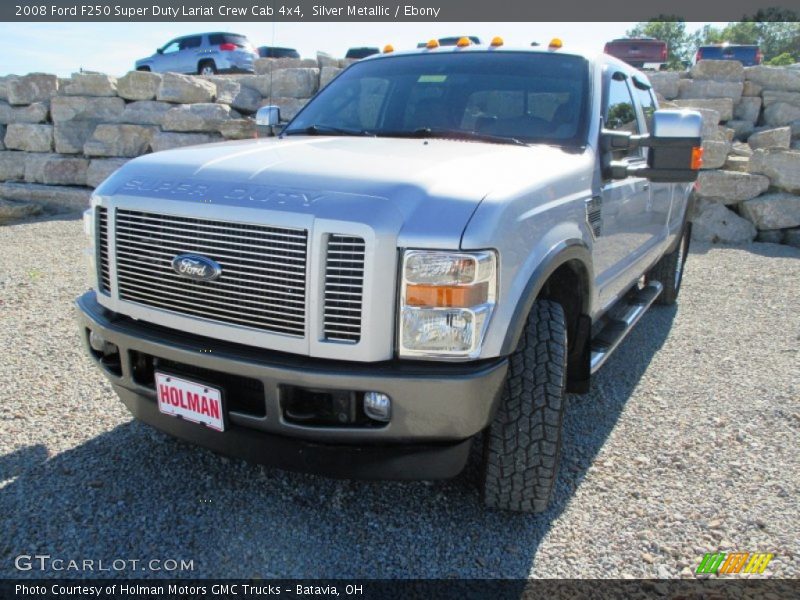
(64, 48)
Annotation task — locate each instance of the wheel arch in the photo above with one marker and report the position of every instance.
(204, 61)
(566, 276)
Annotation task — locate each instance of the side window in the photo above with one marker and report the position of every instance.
(191, 42)
(173, 46)
(620, 114)
(646, 99)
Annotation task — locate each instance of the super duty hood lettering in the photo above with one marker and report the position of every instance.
(222, 192)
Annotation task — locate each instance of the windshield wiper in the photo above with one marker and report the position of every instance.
(456, 134)
(325, 130)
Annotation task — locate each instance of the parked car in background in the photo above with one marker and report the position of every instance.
(203, 53)
(362, 52)
(452, 41)
(275, 52)
(747, 54)
(642, 53)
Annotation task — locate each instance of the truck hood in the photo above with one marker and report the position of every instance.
(432, 186)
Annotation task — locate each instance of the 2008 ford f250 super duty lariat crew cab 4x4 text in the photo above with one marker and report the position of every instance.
(435, 250)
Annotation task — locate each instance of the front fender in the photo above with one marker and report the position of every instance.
(572, 249)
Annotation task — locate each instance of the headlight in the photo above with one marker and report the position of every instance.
(446, 301)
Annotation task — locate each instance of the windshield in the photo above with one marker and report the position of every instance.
(530, 97)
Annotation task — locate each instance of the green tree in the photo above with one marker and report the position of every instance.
(781, 60)
(670, 29)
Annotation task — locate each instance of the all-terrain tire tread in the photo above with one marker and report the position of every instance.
(523, 444)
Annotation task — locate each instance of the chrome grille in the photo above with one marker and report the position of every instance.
(344, 288)
(101, 247)
(263, 280)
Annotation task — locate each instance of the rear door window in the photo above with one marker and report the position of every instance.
(191, 42)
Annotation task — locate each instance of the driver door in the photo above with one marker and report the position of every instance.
(626, 229)
(168, 58)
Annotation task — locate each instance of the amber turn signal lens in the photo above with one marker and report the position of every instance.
(447, 296)
(697, 158)
(497, 41)
(463, 42)
(432, 44)
(388, 48)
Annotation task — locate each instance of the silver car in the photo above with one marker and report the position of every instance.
(203, 53)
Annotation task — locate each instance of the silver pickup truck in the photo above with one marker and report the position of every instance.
(427, 258)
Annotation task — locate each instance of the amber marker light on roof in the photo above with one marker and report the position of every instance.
(555, 44)
(388, 48)
(432, 44)
(463, 42)
(497, 41)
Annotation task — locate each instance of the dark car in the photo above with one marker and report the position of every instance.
(452, 41)
(747, 54)
(275, 52)
(362, 52)
(644, 52)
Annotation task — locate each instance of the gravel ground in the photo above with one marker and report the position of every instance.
(688, 443)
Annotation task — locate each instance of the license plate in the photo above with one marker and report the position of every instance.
(195, 402)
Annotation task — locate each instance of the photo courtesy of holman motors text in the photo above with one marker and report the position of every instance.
(183, 590)
(437, 298)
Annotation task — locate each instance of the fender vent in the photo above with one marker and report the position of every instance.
(344, 288)
(101, 247)
(594, 215)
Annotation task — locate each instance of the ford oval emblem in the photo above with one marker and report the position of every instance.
(196, 267)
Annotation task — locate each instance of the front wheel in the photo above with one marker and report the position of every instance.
(669, 270)
(523, 444)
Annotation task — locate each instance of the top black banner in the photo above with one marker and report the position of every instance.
(408, 10)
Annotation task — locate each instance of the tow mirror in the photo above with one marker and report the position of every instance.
(675, 143)
(267, 119)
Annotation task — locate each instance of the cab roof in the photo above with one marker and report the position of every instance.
(593, 58)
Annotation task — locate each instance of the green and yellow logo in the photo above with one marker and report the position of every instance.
(733, 563)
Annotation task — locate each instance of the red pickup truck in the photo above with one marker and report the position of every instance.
(641, 53)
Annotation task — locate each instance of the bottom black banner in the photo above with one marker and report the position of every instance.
(72, 589)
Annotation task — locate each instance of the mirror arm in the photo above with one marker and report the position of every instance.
(622, 140)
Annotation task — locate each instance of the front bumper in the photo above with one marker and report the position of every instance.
(436, 408)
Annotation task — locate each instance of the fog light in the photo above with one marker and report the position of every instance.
(377, 406)
(97, 342)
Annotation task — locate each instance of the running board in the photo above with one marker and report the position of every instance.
(629, 313)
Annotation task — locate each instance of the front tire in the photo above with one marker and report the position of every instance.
(523, 444)
(669, 270)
